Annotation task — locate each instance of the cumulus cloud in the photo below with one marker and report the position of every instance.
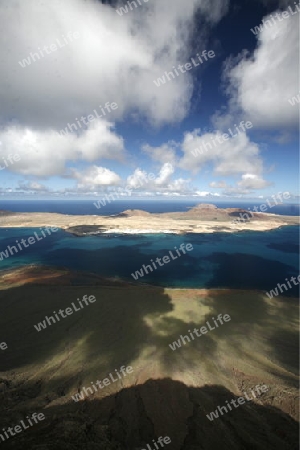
(181, 185)
(139, 178)
(44, 153)
(94, 177)
(247, 185)
(114, 59)
(166, 153)
(164, 175)
(162, 183)
(236, 155)
(261, 84)
(252, 181)
(232, 155)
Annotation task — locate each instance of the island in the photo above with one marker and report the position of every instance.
(203, 218)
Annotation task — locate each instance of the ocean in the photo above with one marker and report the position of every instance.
(87, 207)
(244, 260)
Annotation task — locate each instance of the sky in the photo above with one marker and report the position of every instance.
(155, 99)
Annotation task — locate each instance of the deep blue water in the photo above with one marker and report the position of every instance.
(248, 260)
(87, 207)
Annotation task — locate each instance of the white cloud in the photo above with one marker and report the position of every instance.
(261, 84)
(230, 156)
(138, 179)
(160, 184)
(166, 153)
(115, 59)
(33, 186)
(252, 181)
(95, 177)
(236, 155)
(206, 194)
(180, 185)
(164, 175)
(44, 153)
(218, 184)
(247, 185)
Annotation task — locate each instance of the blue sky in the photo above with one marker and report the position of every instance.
(101, 57)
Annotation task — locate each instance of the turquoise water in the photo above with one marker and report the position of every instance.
(249, 260)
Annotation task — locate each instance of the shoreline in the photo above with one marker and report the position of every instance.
(38, 275)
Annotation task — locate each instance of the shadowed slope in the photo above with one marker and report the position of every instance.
(138, 415)
(169, 392)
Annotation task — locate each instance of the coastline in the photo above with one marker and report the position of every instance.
(43, 275)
